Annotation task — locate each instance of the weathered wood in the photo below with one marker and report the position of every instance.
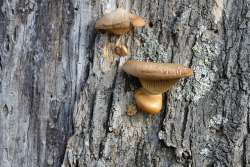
(62, 103)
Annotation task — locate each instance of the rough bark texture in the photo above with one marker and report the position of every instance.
(64, 104)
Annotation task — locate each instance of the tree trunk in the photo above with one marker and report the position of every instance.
(63, 103)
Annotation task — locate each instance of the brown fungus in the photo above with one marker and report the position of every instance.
(121, 50)
(147, 102)
(156, 78)
(131, 110)
(119, 22)
(110, 50)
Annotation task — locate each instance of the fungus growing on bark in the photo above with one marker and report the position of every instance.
(110, 50)
(147, 102)
(156, 78)
(121, 50)
(131, 110)
(119, 22)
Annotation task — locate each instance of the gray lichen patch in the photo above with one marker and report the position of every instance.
(150, 49)
(206, 51)
(217, 121)
(205, 152)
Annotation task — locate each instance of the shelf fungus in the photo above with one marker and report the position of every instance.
(119, 22)
(156, 78)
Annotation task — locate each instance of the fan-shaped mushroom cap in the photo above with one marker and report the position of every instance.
(156, 71)
(119, 22)
(156, 78)
(147, 102)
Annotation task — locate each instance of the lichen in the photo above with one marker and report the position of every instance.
(196, 49)
(150, 48)
(206, 50)
(205, 152)
(161, 135)
(217, 121)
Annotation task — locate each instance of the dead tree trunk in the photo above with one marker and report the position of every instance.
(64, 104)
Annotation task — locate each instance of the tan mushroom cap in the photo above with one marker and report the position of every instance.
(119, 22)
(156, 71)
(156, 78)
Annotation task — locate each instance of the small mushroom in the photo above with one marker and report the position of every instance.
(119, 22)
(131, 110)
(121, 50)
(156, 78)
(149, 103)
(110, 49)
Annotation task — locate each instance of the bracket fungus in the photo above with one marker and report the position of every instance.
(156, 78)
(119, 22)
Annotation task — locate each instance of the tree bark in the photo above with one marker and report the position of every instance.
(63, 103)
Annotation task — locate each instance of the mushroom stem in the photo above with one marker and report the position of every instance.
(157, 86)
(147, 102)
